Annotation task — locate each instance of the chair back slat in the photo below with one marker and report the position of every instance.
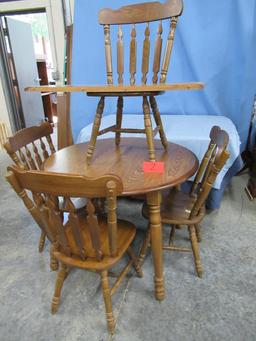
(37, 156)
(202, 167)
(141, 14)
(23, 159)
(30, 146)
(54, 218)
(168, 50)
(94, 229)
(49, 140)
(145, 55)
(157, 53)
(77, 234)
(43, 148)
(81, 235)
(216, 163)
(31, 162)
(220, 140)
(108, 54)
(208, 167)
(133, 55)
(120, 55)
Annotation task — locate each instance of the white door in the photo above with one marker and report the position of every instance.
(22, 48)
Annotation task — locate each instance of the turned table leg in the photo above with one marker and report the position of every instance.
(153, 202)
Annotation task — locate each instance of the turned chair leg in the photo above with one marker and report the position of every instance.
(119, 113)
(198, 233)
(108, 301)
(54, 264)
(148, 129)
(172, 234)
(135, 261)
(195, 249)
(62, 274)
(41, 241)
(144, 246)
(95, 129)
(158, 121)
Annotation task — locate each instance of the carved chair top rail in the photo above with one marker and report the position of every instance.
(140, 13)
(27, 135)
(65, 184)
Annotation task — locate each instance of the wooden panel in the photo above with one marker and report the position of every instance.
(118, 89)
(149, 11)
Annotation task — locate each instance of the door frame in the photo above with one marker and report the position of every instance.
(56, 30)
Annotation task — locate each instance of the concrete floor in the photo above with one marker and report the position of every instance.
(221, 306)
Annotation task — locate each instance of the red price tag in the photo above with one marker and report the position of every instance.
(153, 167)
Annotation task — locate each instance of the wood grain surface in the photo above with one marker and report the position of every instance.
(126, 161)
(118, 89)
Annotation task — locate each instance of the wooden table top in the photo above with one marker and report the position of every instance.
(126, 161)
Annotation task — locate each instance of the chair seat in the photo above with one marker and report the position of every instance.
(125, 234)
(176, 207)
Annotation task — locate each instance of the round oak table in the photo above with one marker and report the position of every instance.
(126, 161)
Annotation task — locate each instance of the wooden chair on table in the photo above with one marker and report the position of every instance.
(179, 208)
(136, 14)
(88, 240)
(29, 148)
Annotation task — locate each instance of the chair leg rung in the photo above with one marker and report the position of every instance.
(176, 248)
(121, 277)
(42, 241)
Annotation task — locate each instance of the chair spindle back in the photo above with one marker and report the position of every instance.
(216, 162)
(203, 165)
(29, 147)
(47, 187)
(139, 14)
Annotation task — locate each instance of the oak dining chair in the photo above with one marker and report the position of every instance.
(180, 208)
(88, 240)
(153, 64)
(29, 148)
(132, 15)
